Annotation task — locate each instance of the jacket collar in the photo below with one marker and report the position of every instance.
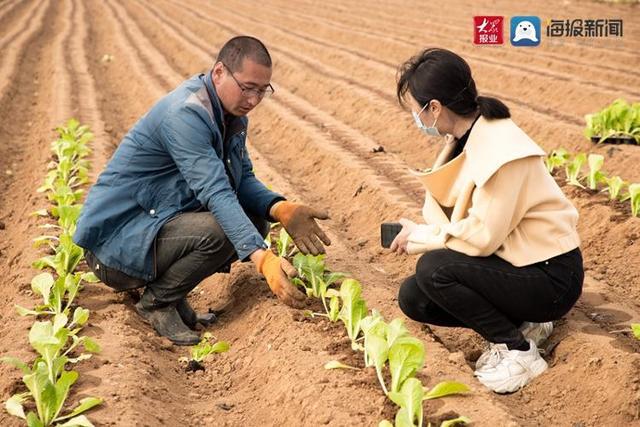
(236, 124)
(491, 144)
(494, 143)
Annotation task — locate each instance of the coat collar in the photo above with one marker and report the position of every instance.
(494, 143)
(491, 144)
(236, 124)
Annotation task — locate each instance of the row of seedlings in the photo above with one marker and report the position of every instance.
(58, 319)
(596, 179)
(387, 347)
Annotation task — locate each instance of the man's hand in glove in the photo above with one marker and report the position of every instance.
(278, 271)
(300, 223)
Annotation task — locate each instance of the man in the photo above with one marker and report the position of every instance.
(178, 200)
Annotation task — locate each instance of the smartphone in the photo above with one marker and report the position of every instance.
(388, 232)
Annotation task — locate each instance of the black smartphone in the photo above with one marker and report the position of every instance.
(388, 232)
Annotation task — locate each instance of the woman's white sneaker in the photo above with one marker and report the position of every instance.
(507, 370)
(538, 332)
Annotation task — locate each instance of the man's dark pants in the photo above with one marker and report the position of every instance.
(188, 248)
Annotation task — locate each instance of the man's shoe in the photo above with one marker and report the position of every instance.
(167, 322)
(506, 371)
(538, 332)
(191, 318)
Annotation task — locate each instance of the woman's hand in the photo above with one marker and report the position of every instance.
(399, 244)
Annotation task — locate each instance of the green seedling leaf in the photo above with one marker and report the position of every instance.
(85, 404)
(79, 421)
(334, 364)
(635, 328)
(90, 278)
(205, 347)
(284, 243)
(385, 423)
(26, 312)
(33, 420)
(406, 357)
(456, 421)
(62, 386)
(334, 308)
(396, 330)
(618, 119)
(353, 309)
(595, 175)
(614, 185)
(377, 350)
(90, 345)
(403, 418)
(410, 399)
(80, 316)
(14, 361)
(42, 284)
(446, 388)
(634, 197)
(556, 159)
(14, 405)
(574, 168)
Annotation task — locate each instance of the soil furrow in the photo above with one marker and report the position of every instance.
(9, 14)
(540, 122)
(14, 44)
(65, 95)
(617, 81)
(479, 64)
(415, 18)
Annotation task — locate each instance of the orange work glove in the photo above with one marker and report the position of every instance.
(300, 223)
(277, 271)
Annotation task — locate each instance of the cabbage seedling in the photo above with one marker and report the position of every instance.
(573, 169)
(634, 197)
(614, 185)
(595, 175)
(354, 309)
(409, 398)
(556, 159)
(406, 357)
(202, 350)
(635, 328)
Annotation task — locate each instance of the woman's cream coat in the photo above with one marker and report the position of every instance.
(495, 197)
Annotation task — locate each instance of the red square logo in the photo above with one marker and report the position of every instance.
(488, 30)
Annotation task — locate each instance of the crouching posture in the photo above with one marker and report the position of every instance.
(179, 201)
(499, 242)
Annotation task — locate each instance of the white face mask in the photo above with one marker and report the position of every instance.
(427, 130)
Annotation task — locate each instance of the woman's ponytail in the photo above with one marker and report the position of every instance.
(440, 74)
(492, 108)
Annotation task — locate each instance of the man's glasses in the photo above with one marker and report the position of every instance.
(248, 92)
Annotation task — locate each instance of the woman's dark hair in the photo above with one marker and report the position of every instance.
(441, 74)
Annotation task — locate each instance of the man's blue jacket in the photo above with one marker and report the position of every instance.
(179, 157)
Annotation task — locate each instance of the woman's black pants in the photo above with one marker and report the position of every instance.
(490, 295)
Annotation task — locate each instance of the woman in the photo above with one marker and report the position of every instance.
(499, 243)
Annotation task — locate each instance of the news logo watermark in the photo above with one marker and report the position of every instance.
(585, 28)
(525, 31)
(528, 31)
(488, 30)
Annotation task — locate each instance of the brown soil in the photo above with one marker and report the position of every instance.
(314, 141)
